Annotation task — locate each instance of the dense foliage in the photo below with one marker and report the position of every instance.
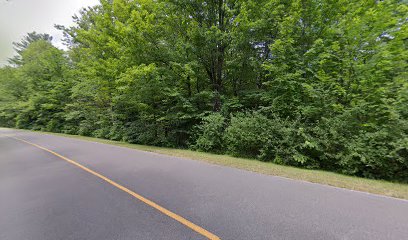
(310, 83)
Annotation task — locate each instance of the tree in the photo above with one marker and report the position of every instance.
(19, 47)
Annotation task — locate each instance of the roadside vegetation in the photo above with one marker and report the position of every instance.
(315, 84)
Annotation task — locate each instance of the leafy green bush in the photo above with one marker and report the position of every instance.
(291, 144)
(339, 143)
(381, 154)
(247, 134)
(209, 134)
(278, 140)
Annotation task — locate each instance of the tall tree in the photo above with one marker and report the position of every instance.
(19, 47)
(208, 25)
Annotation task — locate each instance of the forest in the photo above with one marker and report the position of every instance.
(319, 84)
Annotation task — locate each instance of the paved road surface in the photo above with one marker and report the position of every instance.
(43, 197)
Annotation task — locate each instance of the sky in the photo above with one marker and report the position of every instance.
(18, 17)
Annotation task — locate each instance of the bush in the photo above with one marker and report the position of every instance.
(290, 143)
(247, 134)
(380, 154)
(270, 139)
(209, 134)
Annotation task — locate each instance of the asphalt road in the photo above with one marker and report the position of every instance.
(43, 197)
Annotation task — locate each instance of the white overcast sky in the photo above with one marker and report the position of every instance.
(18, 17)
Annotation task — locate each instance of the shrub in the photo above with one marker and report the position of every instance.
(381, 154)
(270, 139)
(247, 134)
(209, 134)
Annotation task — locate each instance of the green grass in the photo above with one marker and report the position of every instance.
(386, 188)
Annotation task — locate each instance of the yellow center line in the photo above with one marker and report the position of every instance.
(152, 204)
